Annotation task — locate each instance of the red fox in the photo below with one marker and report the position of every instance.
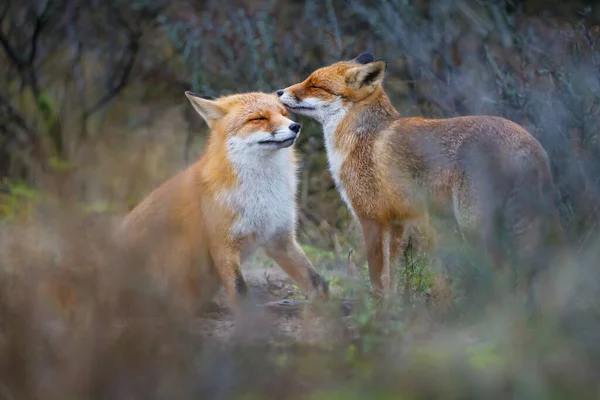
(488, 172)
(199, 225)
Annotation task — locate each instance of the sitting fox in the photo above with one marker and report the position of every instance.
(488, 172)
(198, 226)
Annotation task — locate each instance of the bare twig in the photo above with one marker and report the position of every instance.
(492, 63)
(39, 24)
(10, 51)
(25, 69)
(294, 307)
(15, 117)
(408, 264)
(131, 54)
(352, 268)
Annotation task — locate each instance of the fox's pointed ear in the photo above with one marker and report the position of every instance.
(207, 107)
(363, 58)
(368, 75)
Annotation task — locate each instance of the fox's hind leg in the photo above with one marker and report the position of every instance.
(537, 236)
(291, 258)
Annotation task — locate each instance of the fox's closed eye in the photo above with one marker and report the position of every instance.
(316, 87)
(258, 119)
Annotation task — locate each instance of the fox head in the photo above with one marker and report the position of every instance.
(335, 87)
(247, 121)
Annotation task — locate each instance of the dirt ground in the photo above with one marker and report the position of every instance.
(283, 321)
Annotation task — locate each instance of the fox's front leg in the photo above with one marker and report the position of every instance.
(227, 265)
(291, 258)
(377, 239)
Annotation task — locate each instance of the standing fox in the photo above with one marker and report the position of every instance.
(490, 173)
(198, 226)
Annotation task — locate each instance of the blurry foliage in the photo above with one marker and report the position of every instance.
(18, 199)
(63, 61)
(415, 278)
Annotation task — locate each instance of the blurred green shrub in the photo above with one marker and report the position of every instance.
(17, 200)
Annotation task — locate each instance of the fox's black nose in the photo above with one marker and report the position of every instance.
(279, 93)
(295, 127)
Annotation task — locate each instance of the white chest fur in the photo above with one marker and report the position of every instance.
(265, 195)
(335, 156)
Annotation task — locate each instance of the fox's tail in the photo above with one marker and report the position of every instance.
(537, 240)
